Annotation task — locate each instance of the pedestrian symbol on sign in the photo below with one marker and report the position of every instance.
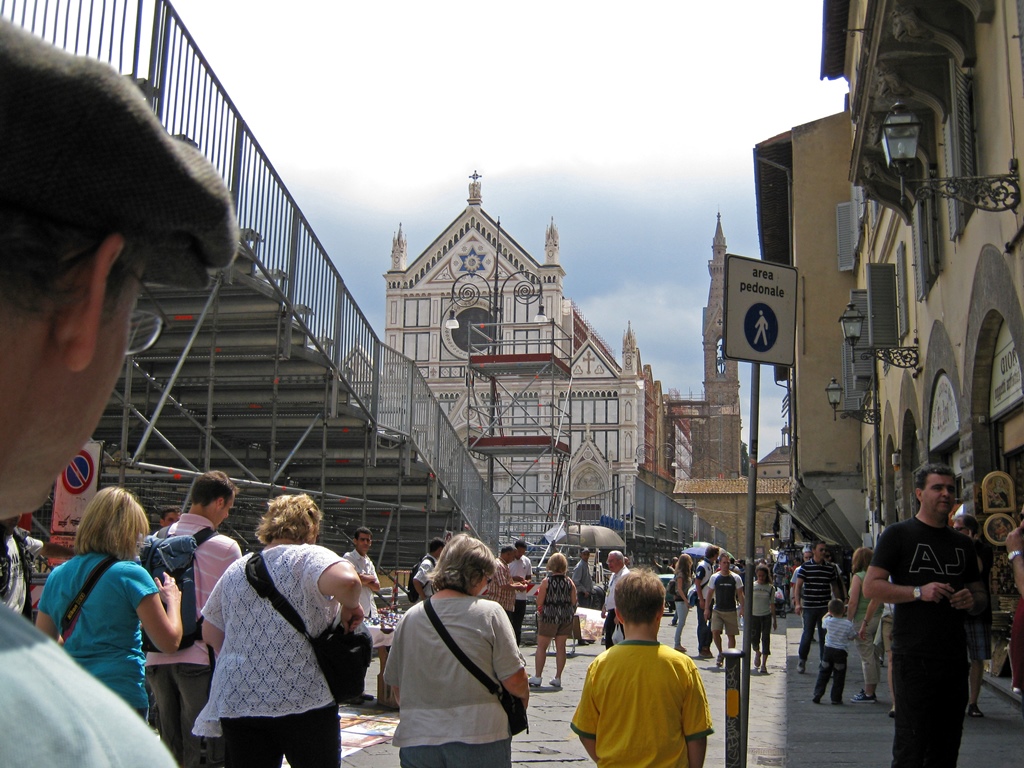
(761, 327)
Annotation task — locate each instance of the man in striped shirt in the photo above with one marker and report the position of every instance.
(817, 583)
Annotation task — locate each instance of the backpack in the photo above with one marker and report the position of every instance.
(162, 553)
(671, 589)
(411, 592)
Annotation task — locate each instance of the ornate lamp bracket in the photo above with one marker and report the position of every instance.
(986, 193)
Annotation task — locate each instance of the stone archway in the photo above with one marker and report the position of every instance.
(994, 301)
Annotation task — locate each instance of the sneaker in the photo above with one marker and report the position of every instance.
(862, 697)
(556, 682)
(534, 682)
(816, 699)
(801, 668)
(892, 713)
(838, 703)
(973, 711)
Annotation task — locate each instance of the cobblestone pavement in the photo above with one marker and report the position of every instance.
(786, 728)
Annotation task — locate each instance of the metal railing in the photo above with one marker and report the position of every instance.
(147, 41)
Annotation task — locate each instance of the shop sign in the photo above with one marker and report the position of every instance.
(1006, 391)
(945, 421)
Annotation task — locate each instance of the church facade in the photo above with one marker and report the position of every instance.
(564, 428)
(565, 432)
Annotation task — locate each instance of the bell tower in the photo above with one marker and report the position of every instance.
(717, 451)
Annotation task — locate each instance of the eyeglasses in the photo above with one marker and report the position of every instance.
(144, 327)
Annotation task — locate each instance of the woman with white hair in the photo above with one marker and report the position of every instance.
(431, 680)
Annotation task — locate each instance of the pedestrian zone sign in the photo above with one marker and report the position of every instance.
(760, 311)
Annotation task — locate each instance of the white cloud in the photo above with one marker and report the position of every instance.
(631, 127)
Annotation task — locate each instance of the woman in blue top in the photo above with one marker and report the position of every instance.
(105, 637)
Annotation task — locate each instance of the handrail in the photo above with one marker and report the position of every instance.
(146, 40)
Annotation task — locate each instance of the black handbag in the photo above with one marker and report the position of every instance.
(514, 708)
(343, 656)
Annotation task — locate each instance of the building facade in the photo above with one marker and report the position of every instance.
(475, 286)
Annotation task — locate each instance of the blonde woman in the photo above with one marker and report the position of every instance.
(268, 696)
(682, 575)
(556, 608)
(865, 615)
(105, 637)
(448, 716)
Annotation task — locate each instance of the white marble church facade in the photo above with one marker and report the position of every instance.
(596, 413)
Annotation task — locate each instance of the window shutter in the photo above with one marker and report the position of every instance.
(852, 396)
(883, 331)
(958, 132)
(863, 366)
(903, 313)
(925, 269)
(1020, 30)
(844, 236)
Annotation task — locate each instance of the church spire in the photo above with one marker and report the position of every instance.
(719, 241)
(629, 349)
(551, 244)
(398, 251)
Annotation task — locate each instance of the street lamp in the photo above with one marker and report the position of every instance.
(834, 393)
(901, 132)
(852, 322)
(471, 289)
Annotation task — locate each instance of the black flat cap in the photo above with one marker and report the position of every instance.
(80, 146)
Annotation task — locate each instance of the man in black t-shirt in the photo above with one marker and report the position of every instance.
(930, 573)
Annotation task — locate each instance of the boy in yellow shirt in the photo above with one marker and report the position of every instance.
(643, 703)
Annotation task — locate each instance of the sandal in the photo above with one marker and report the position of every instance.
(721, 660)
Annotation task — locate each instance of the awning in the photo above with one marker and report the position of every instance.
(817, 512)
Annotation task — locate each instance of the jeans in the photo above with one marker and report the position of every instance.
(933, 695)
(455, 754)
(812, 618)
(833, 665)
(180, 692)
(703, 632)
(309, 739)
(609, 629)
(682, 608)
(517, 620)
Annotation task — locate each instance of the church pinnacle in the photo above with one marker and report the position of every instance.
(551, 244)
(398, 251)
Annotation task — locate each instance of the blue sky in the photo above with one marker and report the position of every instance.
(632, 128)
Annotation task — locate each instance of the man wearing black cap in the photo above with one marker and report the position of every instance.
(95, 197)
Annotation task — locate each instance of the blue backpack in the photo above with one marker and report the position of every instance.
(162, 553)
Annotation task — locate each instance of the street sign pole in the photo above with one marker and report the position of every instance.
(759, 327)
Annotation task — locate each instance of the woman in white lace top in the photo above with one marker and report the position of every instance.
(268, 697)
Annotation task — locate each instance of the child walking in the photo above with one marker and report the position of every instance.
(838, 634)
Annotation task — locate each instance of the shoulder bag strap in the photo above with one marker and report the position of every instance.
(68, 620)
(204, 535)
(259, 577)
(478, 673)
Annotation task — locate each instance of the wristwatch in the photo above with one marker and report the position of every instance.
(1014, 554)
(917, 593)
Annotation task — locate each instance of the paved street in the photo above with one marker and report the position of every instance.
(786, 728)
